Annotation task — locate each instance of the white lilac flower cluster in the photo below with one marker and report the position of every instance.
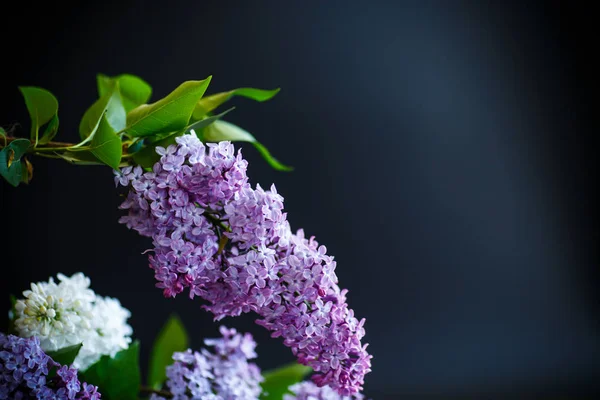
(232, 245)
(68, 313)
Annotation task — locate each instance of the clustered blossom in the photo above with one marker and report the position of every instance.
(24, 369)
(232, 245)
(68, 313)
(310, 391)
(221, 374)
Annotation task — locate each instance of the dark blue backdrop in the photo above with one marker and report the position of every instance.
(440, 155)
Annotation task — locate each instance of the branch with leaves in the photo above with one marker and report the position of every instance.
(122, 129)
(213, 234)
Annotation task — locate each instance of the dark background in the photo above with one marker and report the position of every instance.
(441, 151)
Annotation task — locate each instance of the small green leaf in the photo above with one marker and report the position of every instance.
(50, 131)
(209, 103)
(11, 167)
(13, 301)
(117, 378)
(66, 355)
(42, 107)
(134, 90)
(12, 314)
(171, 338)
(169, 114)
(278, 381)
(106, 145)
(223, 130)
(110, 103)
(3, 135)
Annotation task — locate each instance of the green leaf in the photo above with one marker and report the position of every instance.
(171, 113)
(223, 130)
(42, 107)
(66, 355)
(117, 378)
(278, 381)
(50, 131)
(209, 103)
(11, 167)
(99, 125)
(171, 338)
(3, 135)
(134, 90)
(110, 103)
(106, 145)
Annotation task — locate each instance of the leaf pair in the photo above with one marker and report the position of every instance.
(100, 124)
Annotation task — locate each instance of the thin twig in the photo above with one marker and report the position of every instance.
(149, 390)
(49, 144)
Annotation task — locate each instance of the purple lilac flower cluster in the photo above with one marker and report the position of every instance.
(232, 245)
(222, 374)
(24, 371)
(310, 391)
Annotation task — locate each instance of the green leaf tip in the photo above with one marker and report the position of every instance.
(277, 382)
(171, 338)
(223, 130)
(211, 102)
(66, 355)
